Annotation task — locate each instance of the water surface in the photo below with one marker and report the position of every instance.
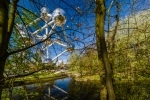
(60, 89)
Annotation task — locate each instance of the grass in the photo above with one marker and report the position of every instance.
(35, 78)
(88, 78)
(77, 76)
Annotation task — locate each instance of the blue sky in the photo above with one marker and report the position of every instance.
(74, 18)
(79, 12)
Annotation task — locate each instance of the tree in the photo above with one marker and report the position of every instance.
(90, 61)
(6, 26)
(102, 52)
(7, 19)
(131, 50)
(21, 62)
(128, 45)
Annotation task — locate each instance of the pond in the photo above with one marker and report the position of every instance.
(60, 89)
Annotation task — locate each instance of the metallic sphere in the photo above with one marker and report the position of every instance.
(45, 14)
(58, 17)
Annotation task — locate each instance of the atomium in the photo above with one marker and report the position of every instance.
(57, 18)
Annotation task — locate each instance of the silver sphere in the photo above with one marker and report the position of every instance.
(45, 14)
(71, 47)
(48, 60)
(58, 17)
(22, 30)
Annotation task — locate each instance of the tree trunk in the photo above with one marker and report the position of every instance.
(6, 26)
(102, 53)
(3, 39)
(2, 64)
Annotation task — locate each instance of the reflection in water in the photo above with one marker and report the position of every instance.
(61, 89)
(83, 90)
(76, 91)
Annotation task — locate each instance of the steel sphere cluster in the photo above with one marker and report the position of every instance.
(57, 18)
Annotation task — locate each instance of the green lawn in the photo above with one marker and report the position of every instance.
(37, 77)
